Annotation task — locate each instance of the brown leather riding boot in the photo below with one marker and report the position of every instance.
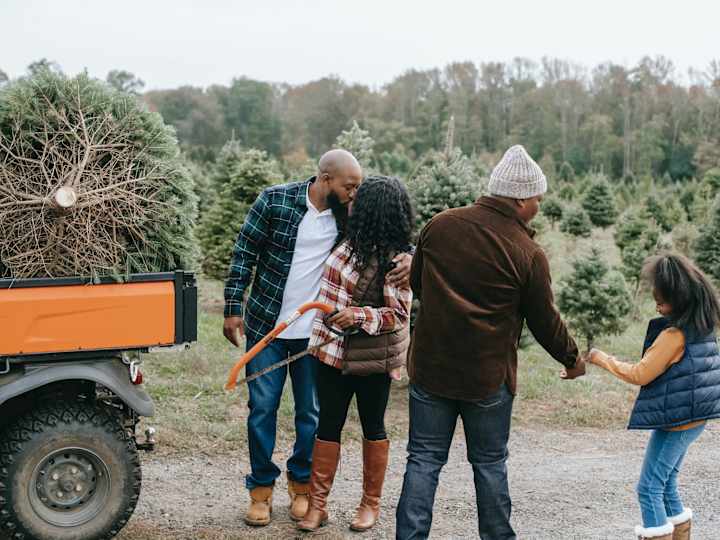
(325, 458)
(375, 460)
(682, 523)
(258, 513)
(299, 498)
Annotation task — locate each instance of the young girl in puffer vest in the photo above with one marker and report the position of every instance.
(680, 378)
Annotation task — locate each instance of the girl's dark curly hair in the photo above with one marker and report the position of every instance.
(692, 297)
(380, 223)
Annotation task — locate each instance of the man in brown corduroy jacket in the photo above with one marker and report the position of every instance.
(478, 274)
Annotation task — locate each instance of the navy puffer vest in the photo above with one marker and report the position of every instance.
(687, 392)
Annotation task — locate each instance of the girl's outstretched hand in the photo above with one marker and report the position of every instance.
(591, 356)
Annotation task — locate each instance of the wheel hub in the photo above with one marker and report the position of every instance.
(66, 481)
(69, 486)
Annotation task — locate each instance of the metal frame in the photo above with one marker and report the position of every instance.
(109, 372)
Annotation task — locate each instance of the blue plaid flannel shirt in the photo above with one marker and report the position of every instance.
(266, 243)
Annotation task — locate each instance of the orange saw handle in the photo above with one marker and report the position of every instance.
(260, 345)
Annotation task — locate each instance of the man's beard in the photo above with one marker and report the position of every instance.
(339, 210)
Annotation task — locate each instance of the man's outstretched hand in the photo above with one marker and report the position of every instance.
(574, 373)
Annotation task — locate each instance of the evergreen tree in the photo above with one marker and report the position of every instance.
(707, 245)
(631, 226)
(240, 177)
(445, 180)
(634, 254)
(599, 204)
(358, 142)
(629, 179)
(594, 299)
(552, 209)
(566, 172)
(540, 224)
(674, 211)
(202, 186)
(684, 237)
(133, 206)
(576, 223)
(624, 198)
(567, 192)
(687, 199)
(637, 235)
(706, 192)
(658, 212)
(712, 179)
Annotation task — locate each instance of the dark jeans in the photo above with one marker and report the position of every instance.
(265, 394)
(335, 392)
(487, 429)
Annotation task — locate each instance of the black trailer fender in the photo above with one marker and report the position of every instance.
(109, 372)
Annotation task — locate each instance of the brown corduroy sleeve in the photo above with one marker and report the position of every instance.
(543, 318)
(416, 267)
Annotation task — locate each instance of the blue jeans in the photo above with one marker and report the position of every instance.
(487, 429)
(657, 489)
(265, 394)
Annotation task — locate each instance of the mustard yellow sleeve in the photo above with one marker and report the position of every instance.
(667, 350)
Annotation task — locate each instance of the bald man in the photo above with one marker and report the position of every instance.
(287, 235)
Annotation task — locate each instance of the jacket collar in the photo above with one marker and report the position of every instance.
(506, 209)
(301, 199)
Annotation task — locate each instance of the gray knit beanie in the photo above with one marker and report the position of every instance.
(517, 176)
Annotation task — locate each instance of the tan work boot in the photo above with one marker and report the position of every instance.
(258, 513)
(299, 498)
(375, 460)
(325, 458)
(664, 532)
(682, 523)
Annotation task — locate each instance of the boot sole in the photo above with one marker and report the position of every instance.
(254, 523)
(258, 522)
(308, 529)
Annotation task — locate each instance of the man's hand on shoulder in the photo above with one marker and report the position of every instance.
(400, 275)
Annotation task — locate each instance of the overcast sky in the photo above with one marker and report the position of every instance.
(168, 43)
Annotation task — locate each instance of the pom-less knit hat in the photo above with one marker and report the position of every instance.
(517, 176)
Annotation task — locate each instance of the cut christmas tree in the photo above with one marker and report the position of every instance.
(91, 183)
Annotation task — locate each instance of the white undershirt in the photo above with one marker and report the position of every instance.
(315, 239)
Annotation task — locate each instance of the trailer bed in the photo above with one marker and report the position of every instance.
(66, 315)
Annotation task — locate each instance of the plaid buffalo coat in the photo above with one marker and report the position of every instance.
(265, 244)
(336, 289)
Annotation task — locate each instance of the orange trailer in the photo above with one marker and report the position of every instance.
(51, 316)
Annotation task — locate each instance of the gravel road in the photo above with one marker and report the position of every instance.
(565, 484)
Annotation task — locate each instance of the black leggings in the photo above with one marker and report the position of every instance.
(335, 391)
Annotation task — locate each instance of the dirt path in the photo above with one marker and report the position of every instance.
(566, 484)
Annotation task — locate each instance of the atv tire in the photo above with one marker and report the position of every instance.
(68, 471)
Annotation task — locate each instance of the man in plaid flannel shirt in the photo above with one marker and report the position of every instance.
(287, 235)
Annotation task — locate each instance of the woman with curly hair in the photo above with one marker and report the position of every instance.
(363, 364)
